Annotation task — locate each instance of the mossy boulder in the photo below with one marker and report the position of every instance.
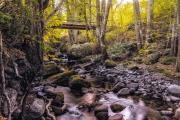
(62, 79)
(153, 58)
(77, 83)
(110, 63)
(82, 50)
(168, 60)
(50, 69)
(58, 100)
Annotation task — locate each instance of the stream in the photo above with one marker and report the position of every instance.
(139, 93)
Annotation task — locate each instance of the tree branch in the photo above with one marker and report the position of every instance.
(59, 6)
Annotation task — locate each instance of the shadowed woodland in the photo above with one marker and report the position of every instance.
(89, 59)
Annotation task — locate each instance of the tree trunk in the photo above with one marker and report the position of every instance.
(178, 36)
(138, 28)
(3, 81)
(178, 54)
(149, 20)
(102, 18)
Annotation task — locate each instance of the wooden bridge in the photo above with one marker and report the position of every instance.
(78, 25)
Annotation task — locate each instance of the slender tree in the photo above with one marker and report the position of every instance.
(138, 27)
(149, 20)
(178, 35)
(103, 10)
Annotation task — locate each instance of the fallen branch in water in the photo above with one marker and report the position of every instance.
(49, 114)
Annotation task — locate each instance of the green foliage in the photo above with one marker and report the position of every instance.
(5, 18)
(110, 63)
(168, 60)
(119, 49)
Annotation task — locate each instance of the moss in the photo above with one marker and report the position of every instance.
(58, 100)
(138, 60)
(50, 69)
(62, 78)
(110, 63)
(77, 83)
(5, 18)
(168, 60)
(58, 60)
(76, 77)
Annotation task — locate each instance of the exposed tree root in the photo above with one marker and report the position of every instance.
(49, 114)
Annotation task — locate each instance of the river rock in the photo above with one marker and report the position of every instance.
(101, 108)
(102, 115)
(133, 86)
(116, 107)
(116, 117)
(118, 86)
(166, 112)
(165, 118)
(36, 109)
(174, 99)
(177, 114)
(174, 90)
(124, 92)
(77, 83)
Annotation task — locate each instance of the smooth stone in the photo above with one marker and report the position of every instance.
(116, 117)
(102, 116)
(174, 90)
(118, 86)
(116, 107)
(101, 108)
(124, 92)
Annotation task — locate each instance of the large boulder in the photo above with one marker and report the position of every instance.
(82, 50)
(77, 83)
(50, 69)
(153, 58)
(35, 110)
(174, 90)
